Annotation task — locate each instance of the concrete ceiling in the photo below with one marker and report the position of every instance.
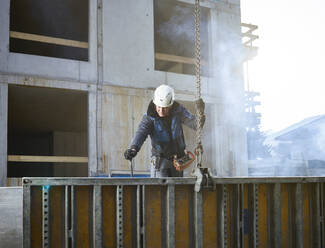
(44, 109)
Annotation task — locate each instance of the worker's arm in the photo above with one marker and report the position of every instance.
(144, 129)
(189, 119)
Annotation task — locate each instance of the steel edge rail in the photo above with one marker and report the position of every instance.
(55, 181)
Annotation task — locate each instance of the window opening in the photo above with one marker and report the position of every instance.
(175, 37)
(47, 132)
(50, 28)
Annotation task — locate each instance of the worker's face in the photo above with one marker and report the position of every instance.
(162, 111)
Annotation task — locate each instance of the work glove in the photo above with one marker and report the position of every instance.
(130, 153)
(200, 105)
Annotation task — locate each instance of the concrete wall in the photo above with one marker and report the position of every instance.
(122, 111)
(128, 77)
(129, 52)
(16, 63)
(11, 211)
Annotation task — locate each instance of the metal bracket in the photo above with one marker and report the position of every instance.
(203, 178)
(46, 216)
(119, 217)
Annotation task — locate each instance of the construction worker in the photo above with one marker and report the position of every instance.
(163, 122)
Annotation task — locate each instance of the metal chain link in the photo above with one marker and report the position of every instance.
(199, 115)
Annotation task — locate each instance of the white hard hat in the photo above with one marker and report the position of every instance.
(164, 96)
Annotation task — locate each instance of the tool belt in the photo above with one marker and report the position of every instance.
(180, 164)
(183, 162)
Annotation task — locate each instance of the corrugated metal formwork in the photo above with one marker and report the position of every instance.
(167, 212)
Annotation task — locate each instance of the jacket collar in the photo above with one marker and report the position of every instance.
(151, 111)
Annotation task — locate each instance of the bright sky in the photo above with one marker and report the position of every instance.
(289, 70)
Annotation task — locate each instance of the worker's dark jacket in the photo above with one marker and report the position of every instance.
(167, 138)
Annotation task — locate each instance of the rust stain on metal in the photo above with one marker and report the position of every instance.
(109, 216)
(82, 201)
(36, 217)
(182, 215)
(153, 216)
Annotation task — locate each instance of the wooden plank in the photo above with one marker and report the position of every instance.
(209, 218)
(183, 216)
(262, 216)
(83, 226)
(48, 39)
(153, 216)
(129, 216)
(109, 216)
(177, 59)
(57, 159)
(57, 216)
(247, 25)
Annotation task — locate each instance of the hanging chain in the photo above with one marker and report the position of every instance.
(199, 148)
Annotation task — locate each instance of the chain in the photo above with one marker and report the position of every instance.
(199, 148)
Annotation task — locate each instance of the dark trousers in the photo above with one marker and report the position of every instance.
(161, 167)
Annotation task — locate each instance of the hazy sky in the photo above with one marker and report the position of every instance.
(289, 70)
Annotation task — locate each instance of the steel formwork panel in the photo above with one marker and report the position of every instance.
(167, 212)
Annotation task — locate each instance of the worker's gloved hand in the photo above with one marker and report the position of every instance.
(130, 153)
(200, 105)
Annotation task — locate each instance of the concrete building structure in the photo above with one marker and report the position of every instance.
(89, 107)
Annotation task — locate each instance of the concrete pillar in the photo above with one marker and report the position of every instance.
(92, 133)
(100, 73)
(3, 133)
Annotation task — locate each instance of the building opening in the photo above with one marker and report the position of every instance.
(175, 37)
(47, 132)
(50, 28)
